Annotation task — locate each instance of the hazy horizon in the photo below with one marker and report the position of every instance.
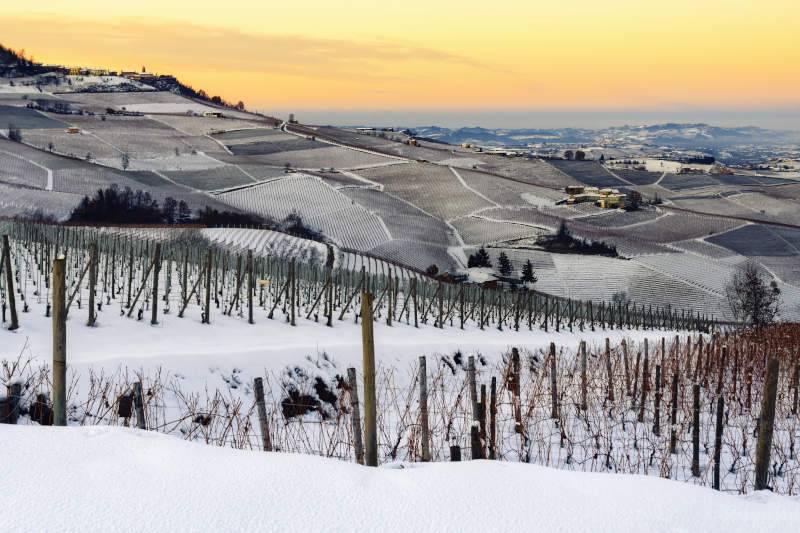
(777, 119)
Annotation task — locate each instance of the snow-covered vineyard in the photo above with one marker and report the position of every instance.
(184, 268)
(625, 406)
(494, 386)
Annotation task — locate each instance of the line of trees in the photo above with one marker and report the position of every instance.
(505, 268)
(116, 205)
(565, 242)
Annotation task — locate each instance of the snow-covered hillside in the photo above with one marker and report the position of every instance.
(114, 479)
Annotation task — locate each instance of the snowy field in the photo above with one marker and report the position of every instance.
(187, 346)
(114, 479)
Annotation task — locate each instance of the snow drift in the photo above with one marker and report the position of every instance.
(113, 479)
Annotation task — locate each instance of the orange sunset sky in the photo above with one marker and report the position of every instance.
(437, 54)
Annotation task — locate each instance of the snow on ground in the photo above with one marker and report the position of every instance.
(198, 161)
(115, 479)
(185, 345)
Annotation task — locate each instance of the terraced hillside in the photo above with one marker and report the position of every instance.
(383, 201)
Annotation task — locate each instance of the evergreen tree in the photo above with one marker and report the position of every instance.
(528, 275)
(504, 265)
(482, 258)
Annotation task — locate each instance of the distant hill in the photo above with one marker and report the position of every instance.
(14, 63)
(730, 145)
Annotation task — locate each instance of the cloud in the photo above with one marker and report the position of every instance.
(202, 47)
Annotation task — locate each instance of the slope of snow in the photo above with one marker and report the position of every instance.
(186, 345)
(113, 479)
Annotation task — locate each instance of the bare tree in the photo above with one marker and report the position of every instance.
(620, 298)
(753, 298)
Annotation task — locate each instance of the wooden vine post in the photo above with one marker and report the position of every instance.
(645, 381)
(553, 383)
(138, 405)
(673, 436)
(515, 390)
(92, 284)
(59, 342)
(767, 424)
(718, 441)
(156, 272)
(209, 265)
(493, 419)
(250, 287)
(657, 404)
(473, 391)
(370, 408)
(609, 372)
(263, 422)
(12, 302)
(584, 380)
(355, 415)
(696, 430)
(423, 409)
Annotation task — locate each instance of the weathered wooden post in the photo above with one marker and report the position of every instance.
(355, 415)
(59, 342)
(516, 389)
(14, 400)
(423, 409)
(475, 441)
(138, 405)
(718, 441)
(626, 365)
(455, 453)
(645, 381)
(696, 430)
(766, 424)
(156, 272)
(493, 419)
(130, 274)
(553, 383)
(796, 388)
(635, 390)
(10, 296)
(657, 404)
(92, 284)
(263, 422)
(721, 370)
(209, 266)
(609, 371)
(473, 390)
(330, 298)
(584, 380)
(250, 287)
(293, 303)
(673, 436)
(370, 408)
(482, 415)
